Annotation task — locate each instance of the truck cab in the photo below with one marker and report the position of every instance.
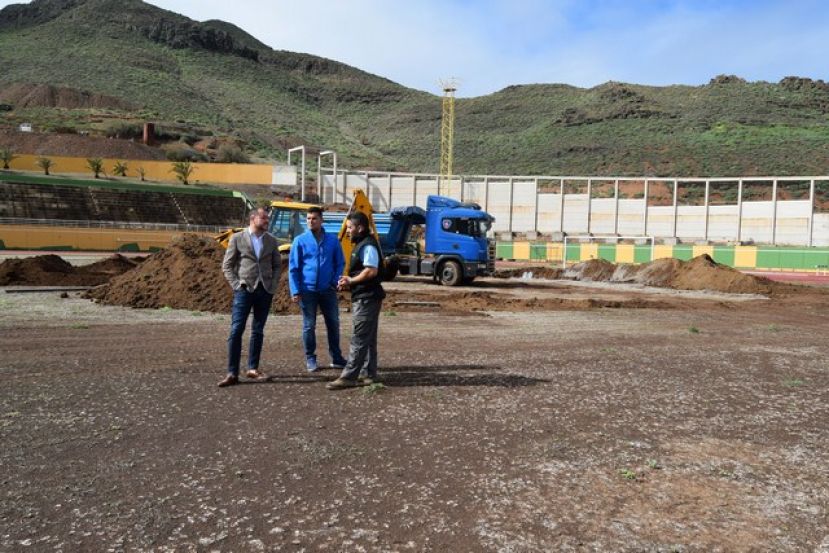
(456, 241)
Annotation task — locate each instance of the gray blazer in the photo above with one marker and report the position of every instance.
(240, 265)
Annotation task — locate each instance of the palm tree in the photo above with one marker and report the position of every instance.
(183, 170)
(6, 156)
(96, 164)
(45, 163)
(120, 168)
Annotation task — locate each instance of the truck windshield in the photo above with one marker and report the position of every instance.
(469, 227)
(285, 225)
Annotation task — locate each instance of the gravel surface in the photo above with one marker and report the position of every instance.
(700, 424)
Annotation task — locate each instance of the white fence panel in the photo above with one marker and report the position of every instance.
(631, 217)
(499, 197)
(722, 222)
(793, 222)
(756, 224)
(690, 222)
(661, 220)
(575, 213)
(523, 206)
(603, 216)
(549, 213)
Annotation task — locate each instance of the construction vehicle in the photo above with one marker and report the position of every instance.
(454, 249)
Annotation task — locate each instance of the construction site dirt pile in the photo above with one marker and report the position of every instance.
(700, 273)
(186, 275)
(539, 271)
(52, 270)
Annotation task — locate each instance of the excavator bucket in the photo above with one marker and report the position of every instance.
(223, 238)
(363, 205)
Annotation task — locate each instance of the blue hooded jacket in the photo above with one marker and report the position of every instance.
(315, 266)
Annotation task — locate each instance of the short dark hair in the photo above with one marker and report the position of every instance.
(255, 211)
(359, 218)
(315, 209)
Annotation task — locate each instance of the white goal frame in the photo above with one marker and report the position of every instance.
(590, 239)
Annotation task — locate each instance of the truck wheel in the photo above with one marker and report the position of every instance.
(450, 273)
(390, 268)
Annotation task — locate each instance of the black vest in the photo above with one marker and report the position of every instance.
(371, 289)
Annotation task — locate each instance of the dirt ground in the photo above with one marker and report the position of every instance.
(615, 418)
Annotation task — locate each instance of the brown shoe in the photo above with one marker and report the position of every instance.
(230, 380)
(341, 384)
(255, 374)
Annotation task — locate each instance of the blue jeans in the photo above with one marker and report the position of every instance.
(326, 301)
(243, 302)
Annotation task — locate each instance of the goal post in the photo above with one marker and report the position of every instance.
(614, 240)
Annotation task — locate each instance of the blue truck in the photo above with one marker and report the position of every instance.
(454, 248)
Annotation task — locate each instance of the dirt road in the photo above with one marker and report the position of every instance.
(659, 422)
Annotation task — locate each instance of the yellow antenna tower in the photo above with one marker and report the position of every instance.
(447, 131)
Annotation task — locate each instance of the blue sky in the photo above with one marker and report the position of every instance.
(490, 44)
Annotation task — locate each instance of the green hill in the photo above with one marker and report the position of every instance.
(213, 79)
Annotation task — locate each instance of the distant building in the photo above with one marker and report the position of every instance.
(25, 127)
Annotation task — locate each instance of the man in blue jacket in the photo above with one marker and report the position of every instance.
(315, 265)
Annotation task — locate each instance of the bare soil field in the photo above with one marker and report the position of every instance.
(516, 415)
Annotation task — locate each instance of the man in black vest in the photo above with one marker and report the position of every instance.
(367, 295)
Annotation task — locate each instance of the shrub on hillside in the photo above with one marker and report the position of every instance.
(122, 129)
(183, 152)
(228, 153)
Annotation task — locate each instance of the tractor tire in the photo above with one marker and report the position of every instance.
(391, 266)
(450, 273)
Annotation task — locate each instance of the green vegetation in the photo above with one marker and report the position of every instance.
(6, 156)
(183, 170)
(198, 80)
(120, 169)
(627, 474)
(96, 165)
(693, 330)
(45, 163)
(373, 388)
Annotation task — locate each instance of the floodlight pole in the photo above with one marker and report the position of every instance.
(302, 180)
(319, 179)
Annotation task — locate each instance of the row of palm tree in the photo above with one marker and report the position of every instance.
(183, 170)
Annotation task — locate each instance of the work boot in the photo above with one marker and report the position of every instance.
(341, 384)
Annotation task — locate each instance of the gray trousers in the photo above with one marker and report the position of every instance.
(362, 352)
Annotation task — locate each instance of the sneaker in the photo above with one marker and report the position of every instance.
(341, 384)
(311, 365)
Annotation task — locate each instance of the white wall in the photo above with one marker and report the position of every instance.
(518, 207)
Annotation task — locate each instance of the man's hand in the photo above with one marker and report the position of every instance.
(344, 283)
(296, 298)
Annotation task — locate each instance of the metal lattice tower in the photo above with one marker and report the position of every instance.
(447, 132)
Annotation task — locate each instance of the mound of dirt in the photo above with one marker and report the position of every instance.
(700, 273)
(186, 275)
(540, 271)
(703, 273)
(52, 270)
(598, 270)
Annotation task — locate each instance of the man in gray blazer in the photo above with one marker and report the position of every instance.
(251, 265)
